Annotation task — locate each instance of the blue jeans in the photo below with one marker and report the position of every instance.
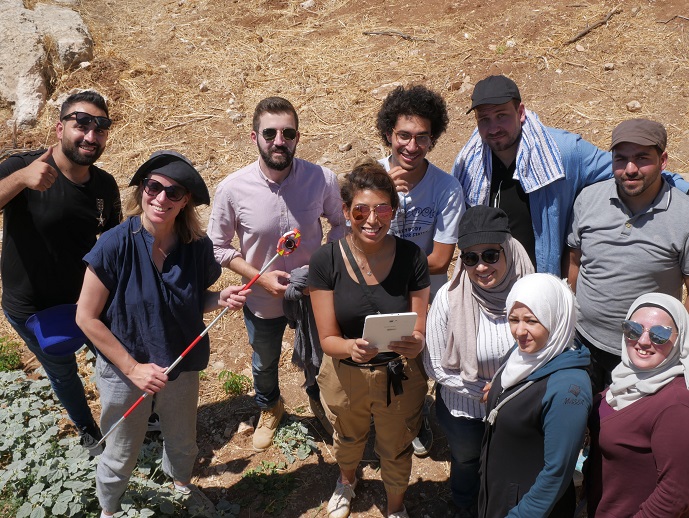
(265, 337)
(464, 436)
(63, 373)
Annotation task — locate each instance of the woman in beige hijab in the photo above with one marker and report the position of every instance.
(466, 335)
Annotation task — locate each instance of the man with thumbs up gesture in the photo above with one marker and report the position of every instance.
(55, 204)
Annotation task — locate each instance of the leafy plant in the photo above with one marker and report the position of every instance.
(267, 486)
(10, 355)
(43, 475)
(234, 384)
(294, 441)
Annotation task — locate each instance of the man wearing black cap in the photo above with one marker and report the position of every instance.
(55, 204)
(531, 171)
(628, 237)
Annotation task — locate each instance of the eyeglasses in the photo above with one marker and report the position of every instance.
(488, 256)
(403, 138)
(383, 211)
(173, 192)
(658, 334)
(269, 134)
(85, 119)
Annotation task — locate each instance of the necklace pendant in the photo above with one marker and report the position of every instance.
(369, 273)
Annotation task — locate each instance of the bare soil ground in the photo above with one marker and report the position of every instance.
(152, 59)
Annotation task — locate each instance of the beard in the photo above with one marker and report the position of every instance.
(73, 152)
(280, 163)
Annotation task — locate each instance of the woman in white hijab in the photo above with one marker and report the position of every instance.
(538, 405)
(639, 460)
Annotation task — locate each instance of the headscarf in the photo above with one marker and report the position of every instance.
(629, 383)
(552, 302)
(466, 301)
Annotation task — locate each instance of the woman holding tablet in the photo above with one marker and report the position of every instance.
(468, 333)
(366, 273)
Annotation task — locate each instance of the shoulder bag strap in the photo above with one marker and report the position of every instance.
(360, 276)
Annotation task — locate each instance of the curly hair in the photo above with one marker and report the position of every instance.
(413, 100)
(368, 175)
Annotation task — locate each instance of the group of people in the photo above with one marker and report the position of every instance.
(517, 357)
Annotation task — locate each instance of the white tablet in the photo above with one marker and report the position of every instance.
(380, 330)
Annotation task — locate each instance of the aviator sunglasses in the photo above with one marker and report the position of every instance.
(383, 211)
(489, 256)
(154, 188)
(85, 119)
(269, 134)
(658, 334)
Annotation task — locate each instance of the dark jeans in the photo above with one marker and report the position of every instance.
(464, 436)
(63, 373)
(601, 367)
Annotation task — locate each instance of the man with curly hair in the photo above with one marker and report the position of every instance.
(410, 122)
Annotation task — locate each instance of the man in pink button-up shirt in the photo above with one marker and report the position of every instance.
(258, 204)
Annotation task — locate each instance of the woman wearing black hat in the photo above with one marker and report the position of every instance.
(467, 334)
(142, 303)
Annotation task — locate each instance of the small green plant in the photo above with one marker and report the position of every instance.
(234, 384)
(267, 486)
(10, 355)
(43, 475)
(294, 441)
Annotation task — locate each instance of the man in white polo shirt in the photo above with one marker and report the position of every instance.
(629, 236)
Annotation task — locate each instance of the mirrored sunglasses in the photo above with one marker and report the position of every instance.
(403, 138)
(269, 134)
(488, 256)
(85, 119)
(383, 211)
(657, 334)
(154, 188)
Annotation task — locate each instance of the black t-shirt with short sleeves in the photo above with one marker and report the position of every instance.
(47, 233)
(409, 272)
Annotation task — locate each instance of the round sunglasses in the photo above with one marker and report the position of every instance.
(488, 256)
(361, 212)
(173, 192)
(658, 335)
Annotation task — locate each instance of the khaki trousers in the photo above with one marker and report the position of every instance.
(351, 395)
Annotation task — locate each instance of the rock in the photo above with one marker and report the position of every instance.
(634, 106)
(345, 147)
(221, 468)
(510, 43)
(580, 48)
(24, 63)
(203, 87)
(246, 427)
(309, 4)
(235, 116)
(218, 366)
(69, 32)
(609, 66)
(383, 90)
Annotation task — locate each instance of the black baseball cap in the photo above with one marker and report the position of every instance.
(494, 90)
(179, 168)
(482, 224)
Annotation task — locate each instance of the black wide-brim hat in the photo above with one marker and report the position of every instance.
(178, 168)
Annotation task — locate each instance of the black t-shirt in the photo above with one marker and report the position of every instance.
(409, 272)
(507, 194)
(46, 235)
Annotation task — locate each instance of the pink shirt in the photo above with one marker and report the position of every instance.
(259, 211)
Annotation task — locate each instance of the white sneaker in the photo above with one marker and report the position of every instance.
(399, 514)
(341, 501)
